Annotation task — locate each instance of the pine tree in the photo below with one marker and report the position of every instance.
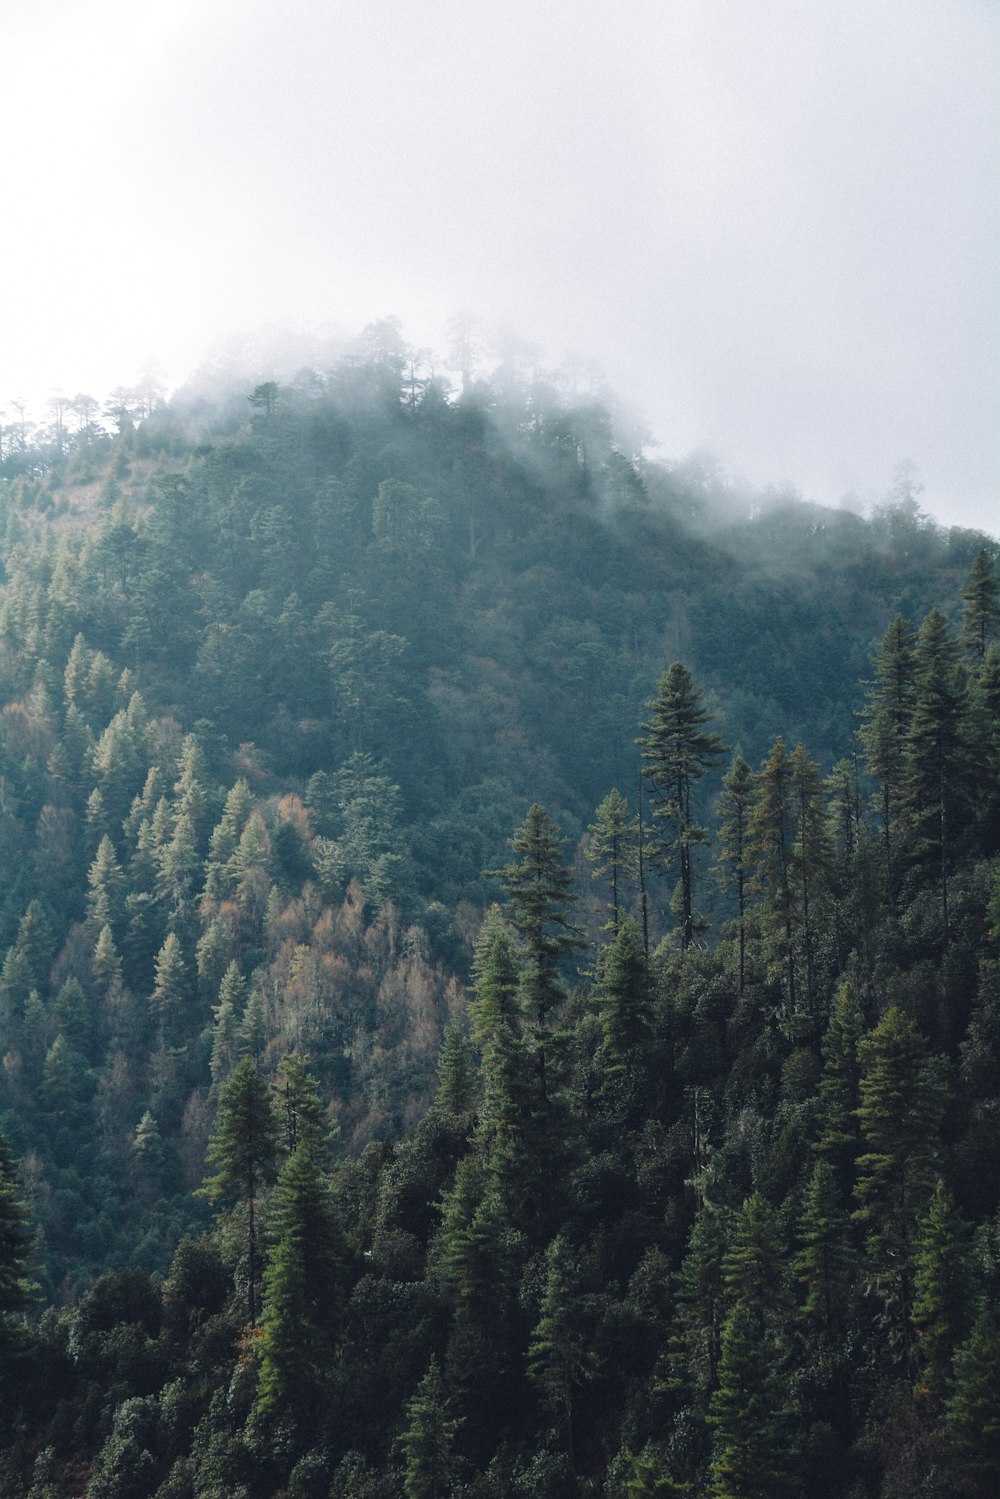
(612, 848)
(700, 1294)
(242, 1149)
(559, 1359)
(106, 901)
(147, 1145)
(839, 1138)
(677, 751)
(751, 1448)
(935, 751)
(456, 1088)
(735, 803)
(981, 600)
(810, 861)
(825, 1263)
(753, 1266)
(900, 1112)
(972, 1415)
(538, 886)
(771, 839)
(304, 1295)
(497, 1020)
(167, 1001)
(225, 1025)
(941, 1294)
(17, 1243)
(884, 735)
(624, 997)
(302, 1119)
(105, 964)
(428, 1442)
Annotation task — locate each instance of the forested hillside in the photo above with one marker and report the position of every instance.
(500, 940)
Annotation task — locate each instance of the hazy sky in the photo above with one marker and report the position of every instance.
(774, 223)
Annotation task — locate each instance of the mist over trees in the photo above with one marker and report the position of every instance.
(498, 957)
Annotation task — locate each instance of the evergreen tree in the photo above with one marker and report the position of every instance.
(559, 1360)
(735, 865)
(981, 605)
(497, 1018)
(226, 1024)
(428, 1442)
(677, 752)
(825, 1263)
(941, 1294)
(612, 848)
(900, 1112)
(810, 860)
(934, 751)
(751, 1449)
(771, 840)
(166, 1003)
(538, 886)
(456, 1089)
(242, 1149)
(839, 1088)
(625, 1007)
(302, 1119)
(106, 901)
(700, 1295)
(17, 1243)
(972, 1416)
(304, 1295)
(884, 735)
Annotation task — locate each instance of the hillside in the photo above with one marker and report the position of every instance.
(672, 1173)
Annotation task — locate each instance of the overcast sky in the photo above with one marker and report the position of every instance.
(774, 223)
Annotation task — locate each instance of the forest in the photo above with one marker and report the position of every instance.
(499, 959)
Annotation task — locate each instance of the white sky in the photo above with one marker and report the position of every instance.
(774, 223)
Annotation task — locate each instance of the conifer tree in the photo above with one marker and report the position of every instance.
(735, 865)
(226, 1025)
(810, 854)
(900, 1111)
(242, 1149)
(252, 1032)
(612, 848)
(17, 1243)
(753, 1265)
(538, 886)
(456, 1089)
(935, 751)
(839, 1136)
(884, 735)
(105, 964)
(304, 1295)
(559, 1360)
(106, 901)
(825, 1263)
(941, 1294)
(750, 1448)
(700, 1296)
(677, 751)
(302, 1118)
(771, 838)
(972, 1415)
(981, 605)
(624, 998)
(497, 1019)
(428, 1442)
(166, 1003)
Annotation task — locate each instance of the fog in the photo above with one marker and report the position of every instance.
(774, 225)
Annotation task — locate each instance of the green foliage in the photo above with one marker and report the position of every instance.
(677, 750)
(304, 1295)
